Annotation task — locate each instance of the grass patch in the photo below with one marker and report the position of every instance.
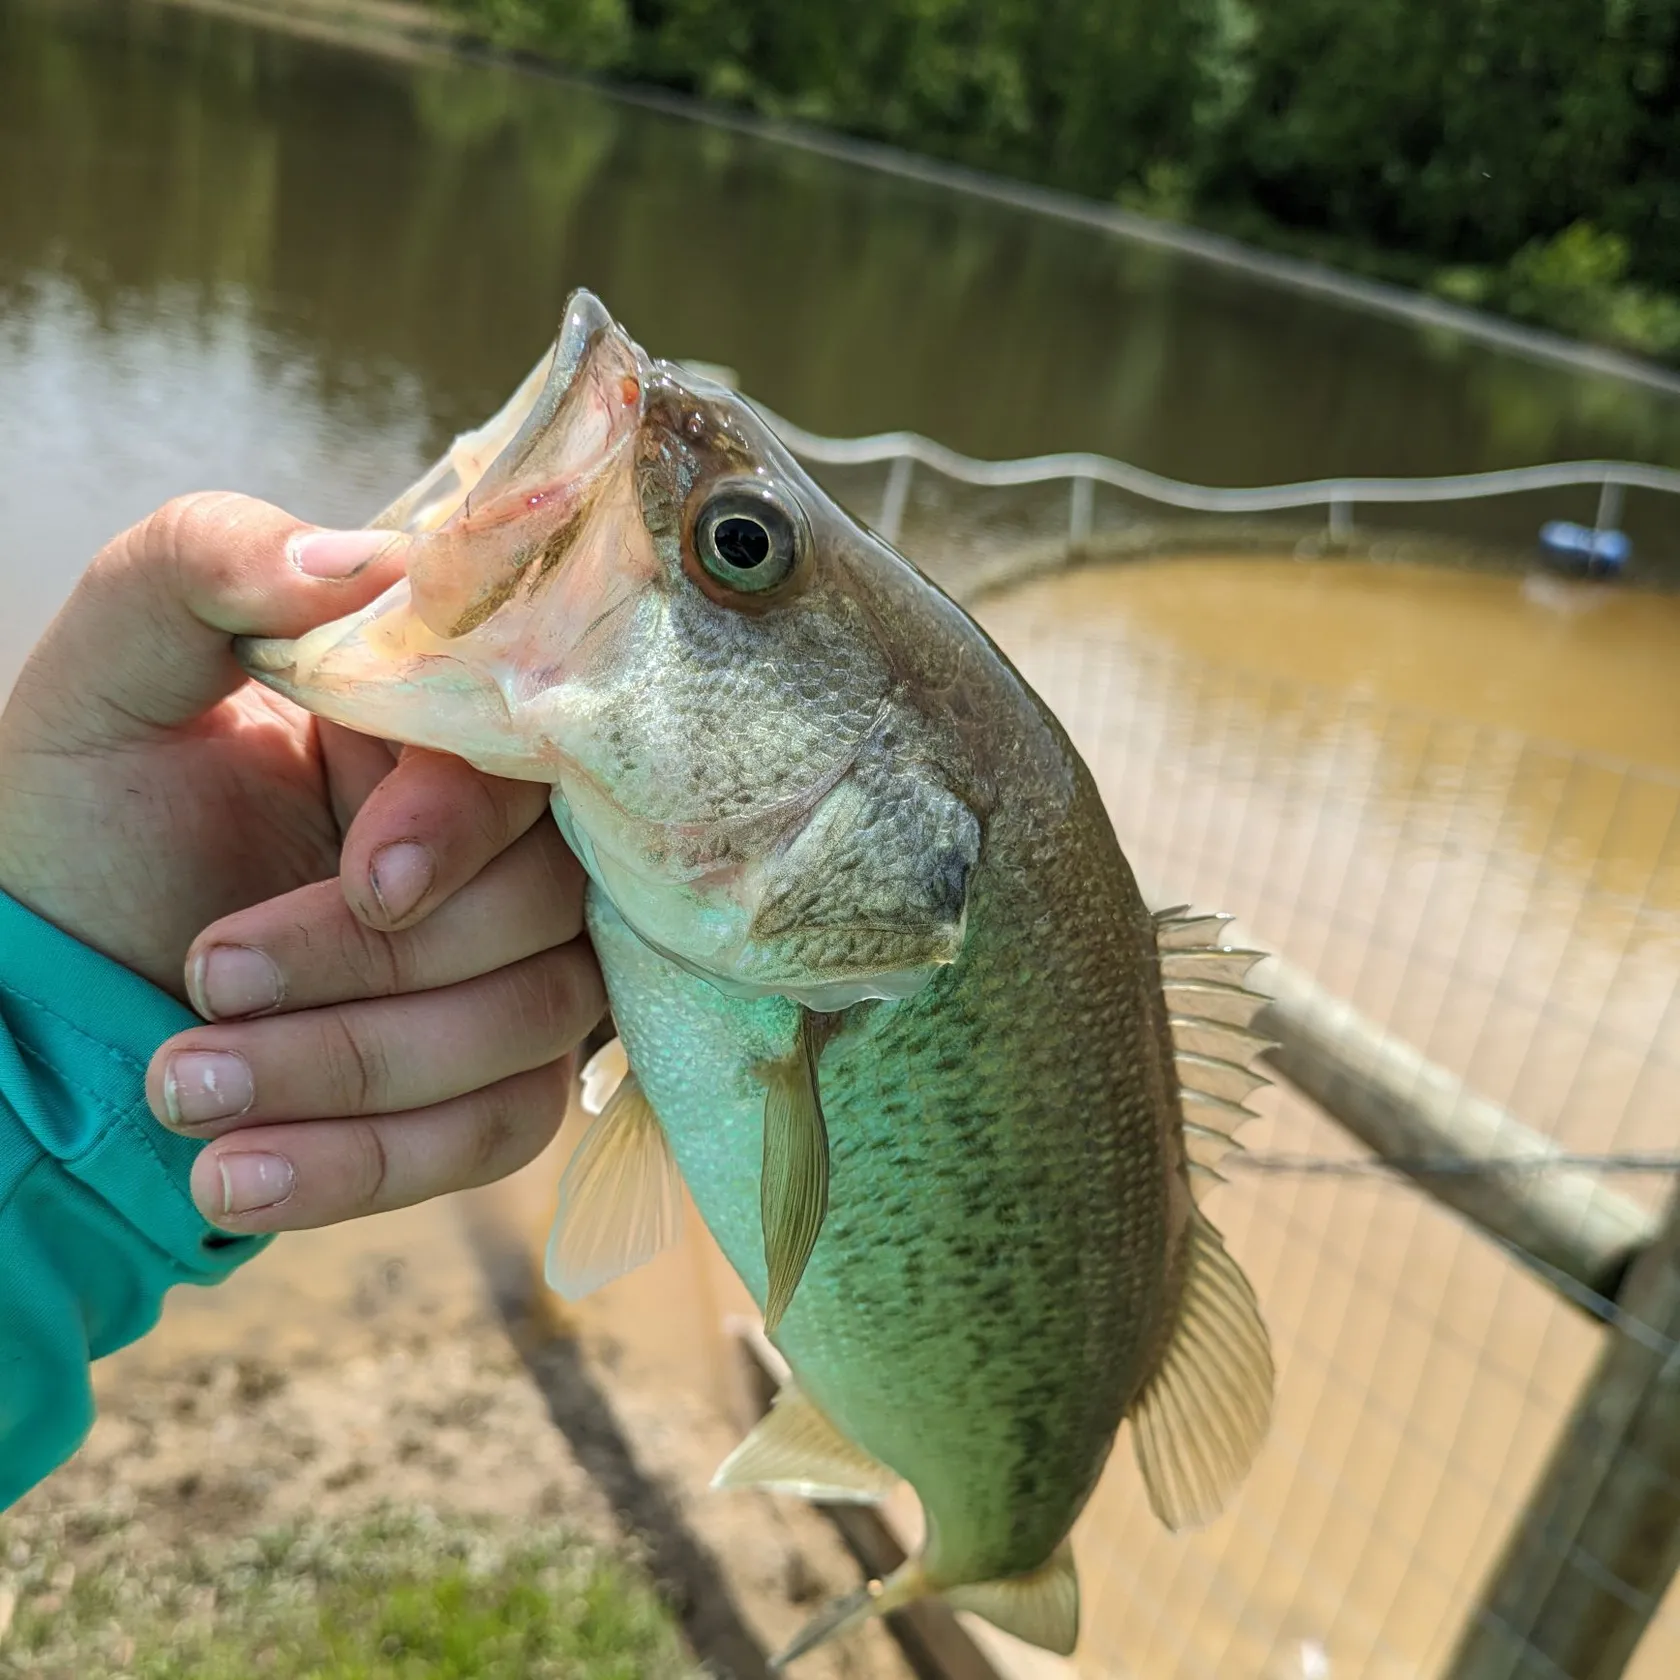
(396, 1596)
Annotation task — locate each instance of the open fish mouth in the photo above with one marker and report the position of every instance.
(498, 510)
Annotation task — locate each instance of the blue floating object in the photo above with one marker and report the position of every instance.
(1580, 548)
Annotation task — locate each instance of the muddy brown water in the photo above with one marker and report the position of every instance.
(231, 257)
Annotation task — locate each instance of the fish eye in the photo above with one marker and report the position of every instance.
(746, 539)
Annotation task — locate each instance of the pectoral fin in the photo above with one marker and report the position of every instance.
(793, 1192)
(795, 1449)
(620, 1196)
(1204, 1413)
(603, 1075)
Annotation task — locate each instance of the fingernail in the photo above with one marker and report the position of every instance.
(203, 1085)
(336, 554)
(235, 980)
(401, 875)
(251, 1181)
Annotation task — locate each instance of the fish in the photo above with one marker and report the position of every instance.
(888, 998)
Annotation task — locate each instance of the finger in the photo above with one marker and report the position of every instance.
(307, 948)
(146, 632)
(295, 1177)
(428, 829)
(379, 1056)
(355, 765)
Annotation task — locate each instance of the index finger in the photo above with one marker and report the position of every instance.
(427, 830)
(305, 949)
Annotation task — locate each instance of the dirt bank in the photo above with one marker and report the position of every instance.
(369, 1369)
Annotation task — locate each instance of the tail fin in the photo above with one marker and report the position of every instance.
(904, 1586)
(1041, 1607)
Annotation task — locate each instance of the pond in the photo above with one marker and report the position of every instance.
(234, 257)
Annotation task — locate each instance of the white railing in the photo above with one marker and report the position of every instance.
(903, 451)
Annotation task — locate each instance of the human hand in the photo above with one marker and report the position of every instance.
(415, 1032)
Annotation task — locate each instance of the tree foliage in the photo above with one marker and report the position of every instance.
(1456, 135)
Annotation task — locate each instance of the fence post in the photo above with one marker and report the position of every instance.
(1412, 1113)
(896, 496)
(1080, 500)
(1609, 506)
(1593, 1551)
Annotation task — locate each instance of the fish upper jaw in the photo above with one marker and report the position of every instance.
(436, 661)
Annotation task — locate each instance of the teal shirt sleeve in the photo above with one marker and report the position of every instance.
(96, 1222)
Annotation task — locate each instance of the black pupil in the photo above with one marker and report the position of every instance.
(742, 542)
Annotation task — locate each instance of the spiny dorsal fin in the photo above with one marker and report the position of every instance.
(1200, 1420)
(1206, 1146)
(1209, 962)
(1215, 1076)
(793, 1191)
(1041, 1608)
(1216, 1113)
(1210, 1128)
(1179, 930)
(1198, 1037)
(620, 1196)
(795, 1449)
(1209, 1010)
(1213, 1000)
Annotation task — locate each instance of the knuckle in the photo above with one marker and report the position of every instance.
(516, 1120)
(548, 1000)
(493, 1136)
(492, 814)
(198, 544)
(184, 524)
(373, 961)
(356, 1068)
(367, 1165)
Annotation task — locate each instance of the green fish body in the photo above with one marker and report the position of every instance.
(888, 998)
(1006, 1215)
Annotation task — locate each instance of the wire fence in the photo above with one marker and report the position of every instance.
(955, 509)
(1508, 907)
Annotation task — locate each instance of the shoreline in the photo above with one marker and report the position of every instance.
(410, 28)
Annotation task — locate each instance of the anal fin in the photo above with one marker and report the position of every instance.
(1203, 1415)
(1041, 1608)
(795, 1449)
(620, 1196)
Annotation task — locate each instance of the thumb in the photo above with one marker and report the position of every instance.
(144, 642)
